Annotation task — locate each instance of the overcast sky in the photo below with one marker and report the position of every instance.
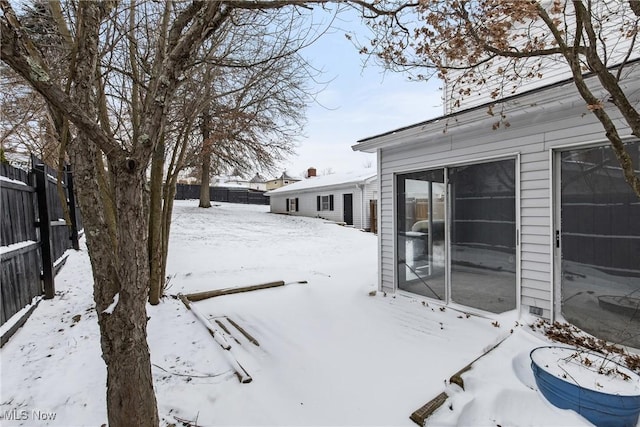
(363, 102)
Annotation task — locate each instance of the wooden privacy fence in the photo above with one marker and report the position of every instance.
(33, 233)
(223, 194)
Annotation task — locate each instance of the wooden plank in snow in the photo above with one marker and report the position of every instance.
(421, 414)
(228, 291)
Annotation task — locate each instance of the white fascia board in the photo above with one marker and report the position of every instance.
(460, 122)
(323, 188)
(371, 180)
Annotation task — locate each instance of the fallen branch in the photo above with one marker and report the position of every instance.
(190, 375)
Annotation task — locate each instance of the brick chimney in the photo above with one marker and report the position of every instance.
(311, 172)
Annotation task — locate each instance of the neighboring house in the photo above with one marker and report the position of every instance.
(534, 217)
(230, 181)
(258, 183)
(341, 198)
(281, 182)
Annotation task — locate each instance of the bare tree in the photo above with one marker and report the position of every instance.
(24, 122)
(28, 126)
(124, 64)
(119, 258)
(258, 103)
(495, 45)
(248, 90)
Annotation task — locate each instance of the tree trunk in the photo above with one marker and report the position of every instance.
(205, 196)
(167, 211)
(120, 270)
(205, 178)
(130, 396)
(120, 258)
(156, 252)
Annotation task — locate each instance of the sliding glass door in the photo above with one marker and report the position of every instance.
(483, 235)
(598, 243)
(456, 238)
(421, 233)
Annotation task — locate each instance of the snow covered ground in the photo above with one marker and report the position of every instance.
(329, 352)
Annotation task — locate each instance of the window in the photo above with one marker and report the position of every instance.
(325, 203)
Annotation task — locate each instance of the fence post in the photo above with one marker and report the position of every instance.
(73, 236)
(45, 230)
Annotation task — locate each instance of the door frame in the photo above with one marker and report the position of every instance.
(555, 219)
(555, 231)
(344, 207)
(516, 156)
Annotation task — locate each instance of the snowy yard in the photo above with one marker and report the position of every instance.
(329, 353)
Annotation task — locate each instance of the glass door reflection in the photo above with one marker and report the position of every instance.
(483, 235)
(421, 233)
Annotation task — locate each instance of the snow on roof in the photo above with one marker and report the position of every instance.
(327, 181)
(257, 178)
(285, 175)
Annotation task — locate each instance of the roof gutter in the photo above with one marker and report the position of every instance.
(454, 123)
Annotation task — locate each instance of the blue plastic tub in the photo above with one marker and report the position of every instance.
(602, 409)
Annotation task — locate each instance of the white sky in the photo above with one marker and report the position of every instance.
(358, 103)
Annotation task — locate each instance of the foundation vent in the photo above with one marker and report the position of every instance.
(535, 310)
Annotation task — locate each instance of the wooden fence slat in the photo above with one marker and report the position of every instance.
(45, 231)
(19, 251)
(20, 272)
(18, 187)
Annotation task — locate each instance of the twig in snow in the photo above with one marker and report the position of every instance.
(187, 423)
(191, 375)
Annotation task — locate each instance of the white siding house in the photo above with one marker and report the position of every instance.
(342, 198)
(614, 48)
(533, 217)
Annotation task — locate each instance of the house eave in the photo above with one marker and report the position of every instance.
(548, 98)
(321, 188)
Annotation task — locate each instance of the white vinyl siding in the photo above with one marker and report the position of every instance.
(554, 69)
(368, 194)
(538, 123)
(308, 202)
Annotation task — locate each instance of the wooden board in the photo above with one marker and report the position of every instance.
(421, 414)
(228, 291)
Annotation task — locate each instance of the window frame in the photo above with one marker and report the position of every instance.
(325, 203)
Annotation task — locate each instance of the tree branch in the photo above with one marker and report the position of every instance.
(14, 52)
